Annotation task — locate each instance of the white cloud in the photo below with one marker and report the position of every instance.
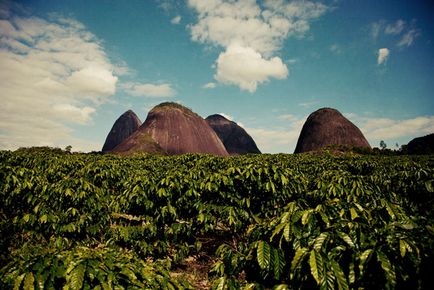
(256, 30)
(376, 29)
(308, 104)
(52, 74)
(176, 20)
(149, 90)
(383, 128)
(287, 117)
(409, 37)
(74, 114)
(209, 86)
(392, 130)
(395, 28)
(407, 32)
(335, 48)
(229, 117)
(246, 68)
(383, 55)
(278, 139)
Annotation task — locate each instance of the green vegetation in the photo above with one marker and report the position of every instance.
(91, 221)
(172, 105)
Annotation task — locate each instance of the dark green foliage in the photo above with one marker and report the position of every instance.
(282, 221)
(85, 268)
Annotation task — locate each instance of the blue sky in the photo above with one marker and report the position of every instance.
(69, 69)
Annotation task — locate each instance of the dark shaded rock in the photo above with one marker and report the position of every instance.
(124, 126)
(178, 130)
(421, 145)
(235, 139)
(328, 126)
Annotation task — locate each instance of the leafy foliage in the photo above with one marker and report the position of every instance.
(84, 221)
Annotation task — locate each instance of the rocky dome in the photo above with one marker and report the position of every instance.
(177, 130)
(235, 139)
(421, 145)
(124, 126)
(328, 126)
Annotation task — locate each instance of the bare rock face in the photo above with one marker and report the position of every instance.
(328, 126)
(178, 130)
(235, 139)
(421, 145)
(124, 126)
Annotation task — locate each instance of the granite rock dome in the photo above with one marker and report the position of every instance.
(328, 126)
(235, 139)
(178, 130)
(124, 126)
(421, 145)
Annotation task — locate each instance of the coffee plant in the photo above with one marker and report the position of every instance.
(92, 221)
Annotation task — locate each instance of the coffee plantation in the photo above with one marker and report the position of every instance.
(92, 221)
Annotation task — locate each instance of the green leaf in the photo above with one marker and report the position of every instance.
(221, 283)
(353, 213)
(364, 257)
(352, 274)
(390, 210)
(77, 277)
(429, 185)
(277, 230)
(43, 219)
(281, 287)
(26, 218)
(40, 280)
(68, 192)
(298, 257)
(263, 254)
(29, 281)
(346, 239)
(19, 281)
(287, 232)
(130, 274)
(305, 217)
(388, 269)
(315, 262)
(329, 281)
(249, 286)
(319, 241)
(340, 276)
(402, 247)
(278, 261)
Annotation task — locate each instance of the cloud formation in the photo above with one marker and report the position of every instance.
(176, 20)
(409, 37)
(406, 32)
(392, 130)
(254, 32)
(395, 28)
(148, 90)
(245, 67)
(209, 86)
(384, 128)
(278, 139)
(53, 74)
(383, 55)
(229, 117)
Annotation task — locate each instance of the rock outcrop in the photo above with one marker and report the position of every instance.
(235, 139)
(328, 126)
(124, 126)
(421, 145)
(177, 130)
